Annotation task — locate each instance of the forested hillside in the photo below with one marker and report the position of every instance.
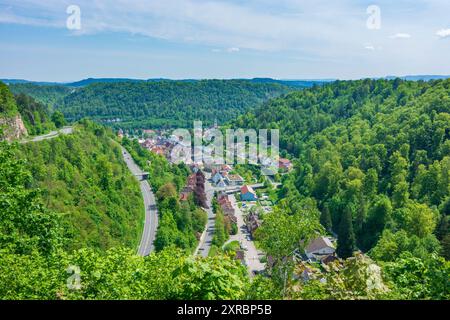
(70, 209)
(167, 103)
(180, 221)
(46, 94)
(374, 152)
(35, 115)
(11, 124)
(373, 159)
(7, 103)
(372, 166)
(83, 178)
(34, 263)
(21, 112)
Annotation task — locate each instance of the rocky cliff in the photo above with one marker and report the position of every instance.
(12, 128)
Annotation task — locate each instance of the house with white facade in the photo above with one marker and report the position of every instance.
(320, 246)
(234, 180)
(221, 183)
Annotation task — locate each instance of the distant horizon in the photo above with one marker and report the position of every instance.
(58, 41)
(327, 79)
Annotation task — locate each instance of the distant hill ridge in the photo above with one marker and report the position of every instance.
(289, 82)
(88, 81)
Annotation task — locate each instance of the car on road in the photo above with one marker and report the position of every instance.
(244, 247)
(249, 237)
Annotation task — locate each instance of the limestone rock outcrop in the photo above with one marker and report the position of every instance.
(12, 128)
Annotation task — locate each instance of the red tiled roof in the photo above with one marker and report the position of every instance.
(246, 189)
(158, 150)
(226, 167)
(223, 200)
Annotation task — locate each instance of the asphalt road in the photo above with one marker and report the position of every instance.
(50, 135)
(206, 241)
(252, 255)
(151, 212)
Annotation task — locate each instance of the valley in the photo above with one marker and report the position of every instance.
(362, 181)
(224, 159)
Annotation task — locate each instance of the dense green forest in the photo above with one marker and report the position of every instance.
(35, 265)
(35, 115)
(167, 103)
(373, 168)
(180, 221)
(46, 94)
(69, 215)
(82, 176)
(373, 158)
(7, 103)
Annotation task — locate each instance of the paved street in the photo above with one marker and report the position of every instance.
(252, 255)
(50, 135)
(151, 213)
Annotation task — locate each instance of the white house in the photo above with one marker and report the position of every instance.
(221, 183)
(320, 246)
(217, 177)
(234, 180)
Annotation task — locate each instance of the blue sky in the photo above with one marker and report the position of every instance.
(286, 39)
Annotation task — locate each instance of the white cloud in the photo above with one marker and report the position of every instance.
(294, 25)
(400, 36)
(443, 33)
(233, 49)
(329, 36)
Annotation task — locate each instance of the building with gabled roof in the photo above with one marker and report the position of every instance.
(234, 180)
(248, 194)
(320, 246)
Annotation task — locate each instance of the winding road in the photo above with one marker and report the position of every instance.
(151, 212)
(48, 136)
